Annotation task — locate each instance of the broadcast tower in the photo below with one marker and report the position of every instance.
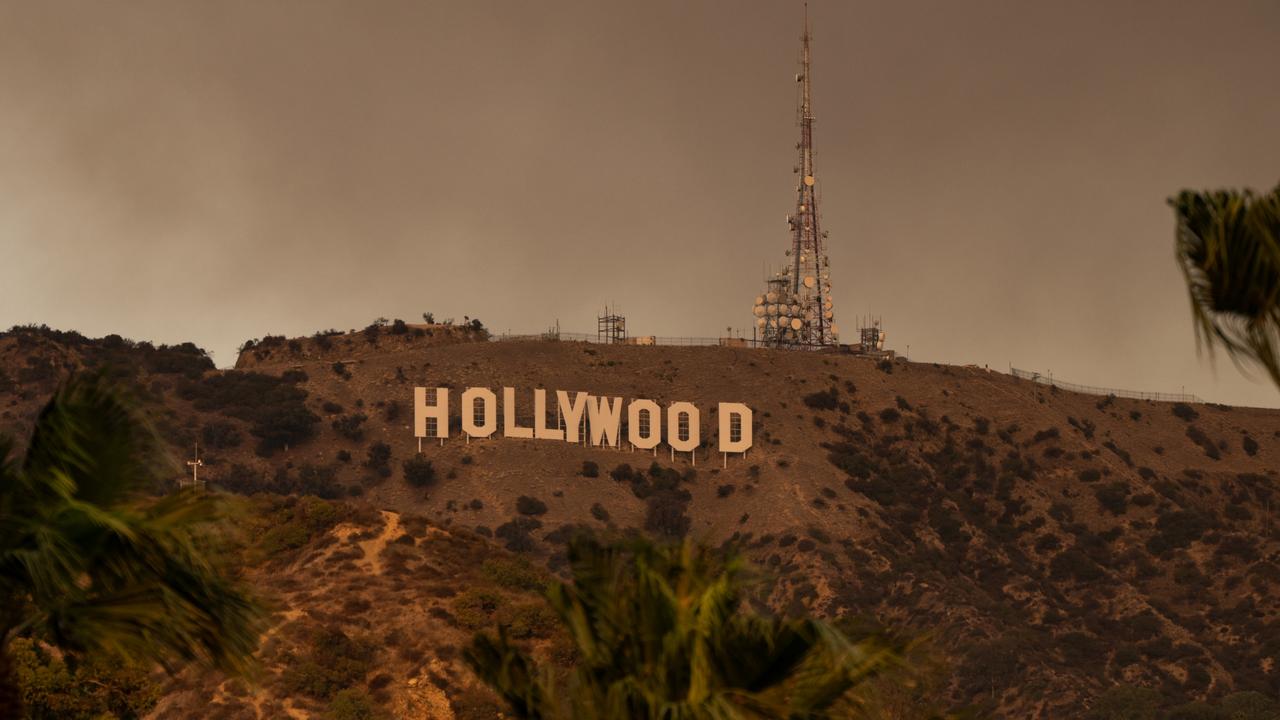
(796, 310)
(811, 272)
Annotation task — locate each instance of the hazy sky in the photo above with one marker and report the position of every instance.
(994, 174)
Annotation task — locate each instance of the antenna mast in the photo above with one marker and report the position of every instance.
(796, 308)
(810, 270)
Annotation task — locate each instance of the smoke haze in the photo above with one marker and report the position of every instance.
(994, 174)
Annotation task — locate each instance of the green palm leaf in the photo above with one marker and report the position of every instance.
(1228, 247)
(663, 634)
(90, 564)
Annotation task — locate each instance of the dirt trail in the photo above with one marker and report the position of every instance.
(373, 547)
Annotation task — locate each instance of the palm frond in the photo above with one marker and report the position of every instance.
(94, 566)
(1228, 247)
(664, 634)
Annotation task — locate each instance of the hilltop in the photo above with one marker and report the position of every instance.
(1056, 543)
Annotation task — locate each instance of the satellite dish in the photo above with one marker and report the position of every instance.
(759, 299)
(796, 323)
(795, 310)
(758, 311)
(828, 315)
(771, 296)
(808, 281)
(761, 322)
(808, 180)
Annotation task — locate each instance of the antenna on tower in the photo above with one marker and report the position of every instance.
(796, 310)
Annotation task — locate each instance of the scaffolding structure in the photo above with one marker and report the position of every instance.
(611, 327)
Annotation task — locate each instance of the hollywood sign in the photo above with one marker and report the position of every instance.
(582, 418)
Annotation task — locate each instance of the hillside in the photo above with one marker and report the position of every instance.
(1056, 543)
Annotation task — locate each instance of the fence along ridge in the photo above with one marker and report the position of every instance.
(1091, 390)
(594, 339)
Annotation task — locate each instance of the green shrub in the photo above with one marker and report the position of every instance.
(220, 434)
(1113, 496)
(526, 505)
(474, 609)
(1206, 443)
(1048, 434)
(419, 472)
(275, 409)
(333, 662)
(1178, 529)
(531, 620)
(1047, 543)
(1126, 702)
(515, 572)
(1195, 711)
(1074, 563)
(823, 399)
(90, 688)
(516, 533)
(378, 458)
(590, 469)
(1250, 446)
(350, 426)
(1082, 650)
(352, 704)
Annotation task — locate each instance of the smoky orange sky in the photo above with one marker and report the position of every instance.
(993, 174)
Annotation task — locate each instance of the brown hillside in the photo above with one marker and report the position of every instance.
(1057, 543)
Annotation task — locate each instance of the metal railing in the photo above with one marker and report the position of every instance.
(633, 340)
(1091, 390)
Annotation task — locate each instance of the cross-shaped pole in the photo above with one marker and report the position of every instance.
(195, 464)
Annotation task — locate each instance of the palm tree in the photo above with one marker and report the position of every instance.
(661, 633)
(88, 564)
(1228, 245)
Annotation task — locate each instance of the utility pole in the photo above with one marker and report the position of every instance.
(195, 464)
